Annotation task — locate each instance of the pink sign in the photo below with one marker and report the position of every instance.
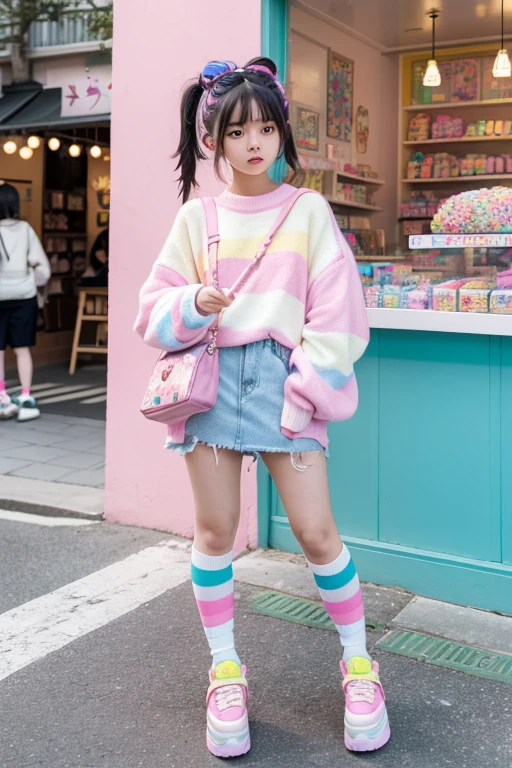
(87, 96)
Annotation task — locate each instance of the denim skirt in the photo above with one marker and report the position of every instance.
(247, 414)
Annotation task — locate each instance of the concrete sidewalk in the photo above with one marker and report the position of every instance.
(57, 449)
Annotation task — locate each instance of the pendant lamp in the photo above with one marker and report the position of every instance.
(502, 62)
(432, 76)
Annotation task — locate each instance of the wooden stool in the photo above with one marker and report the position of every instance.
(86, 295)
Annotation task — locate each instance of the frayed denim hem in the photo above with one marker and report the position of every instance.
(191, 441)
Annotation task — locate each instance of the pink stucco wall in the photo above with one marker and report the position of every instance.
(157, 48)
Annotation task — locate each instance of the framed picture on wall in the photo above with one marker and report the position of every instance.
(340, 97)
(307, 129)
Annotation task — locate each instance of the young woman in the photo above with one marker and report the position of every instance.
(287, 345)
(23, 268)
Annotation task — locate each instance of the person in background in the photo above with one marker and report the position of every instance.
(24, 267)
(96, 273)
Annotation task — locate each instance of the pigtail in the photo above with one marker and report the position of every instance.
(289, 149)
(189, 150)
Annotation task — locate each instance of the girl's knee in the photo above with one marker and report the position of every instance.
(315, 542)
(216, 539)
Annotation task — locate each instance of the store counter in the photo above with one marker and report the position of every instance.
(421, 476)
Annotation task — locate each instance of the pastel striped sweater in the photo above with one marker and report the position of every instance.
(305, 294)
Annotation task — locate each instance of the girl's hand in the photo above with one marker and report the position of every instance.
(210, 301)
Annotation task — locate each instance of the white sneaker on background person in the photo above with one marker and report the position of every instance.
(8, 409)
(27, 407)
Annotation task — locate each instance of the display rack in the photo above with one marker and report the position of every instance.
(469, 112)
(331, 180)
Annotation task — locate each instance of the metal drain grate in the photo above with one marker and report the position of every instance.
(447, 653)
(297, 609)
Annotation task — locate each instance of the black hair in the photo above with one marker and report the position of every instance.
(9, 202)
(231, 90)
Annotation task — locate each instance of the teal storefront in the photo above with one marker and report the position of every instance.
(421, 477)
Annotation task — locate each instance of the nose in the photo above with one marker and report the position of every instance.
(253, 141)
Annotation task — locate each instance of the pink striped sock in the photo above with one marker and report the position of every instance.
(212, 581)
(339, 587)
(25, 391)
(2, 386)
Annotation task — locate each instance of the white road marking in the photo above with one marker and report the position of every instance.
(92, 400)
(34, 387)
(25, 517)
(46, 624)
(72, 396)
(58, 390)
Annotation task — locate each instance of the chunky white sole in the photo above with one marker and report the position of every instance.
(28, 414)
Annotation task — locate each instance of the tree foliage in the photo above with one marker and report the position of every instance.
(16, 16)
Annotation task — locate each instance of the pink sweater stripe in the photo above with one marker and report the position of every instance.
(289, 273)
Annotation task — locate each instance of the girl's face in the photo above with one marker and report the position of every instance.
(253, 147)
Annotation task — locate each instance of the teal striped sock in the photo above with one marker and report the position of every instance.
(212, 581)
(339, 588)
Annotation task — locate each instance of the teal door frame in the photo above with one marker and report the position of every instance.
(274, 44)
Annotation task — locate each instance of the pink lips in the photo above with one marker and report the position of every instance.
(256, 160)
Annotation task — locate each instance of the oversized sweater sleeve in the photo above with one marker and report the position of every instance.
(168, 318)
(38, 259)
(322, 382)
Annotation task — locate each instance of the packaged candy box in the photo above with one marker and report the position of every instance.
(445, 295)
(416, 298)
(474, 300)
(419, 127)
(371, 295)
(445, 127)
(500, 301)
(389, 297)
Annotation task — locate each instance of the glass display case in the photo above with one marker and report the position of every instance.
(458, 283)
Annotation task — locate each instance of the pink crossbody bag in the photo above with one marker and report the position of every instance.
(187, 382)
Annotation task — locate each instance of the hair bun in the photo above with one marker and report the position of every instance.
(262, 61)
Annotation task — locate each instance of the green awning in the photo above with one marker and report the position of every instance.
(43, 112)
(15, 98)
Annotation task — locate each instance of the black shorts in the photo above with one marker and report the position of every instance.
(18, 323)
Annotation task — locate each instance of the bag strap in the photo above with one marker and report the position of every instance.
(283, 213)
(212, 231)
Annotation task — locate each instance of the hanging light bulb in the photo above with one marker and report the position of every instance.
(54, 144)
(10, 147)
(75, 150)
(432, 76)
(95, 151)
(502, 66)
(34, 142)
(26, 153)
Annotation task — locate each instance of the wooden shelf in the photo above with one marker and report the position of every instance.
(360, 206)
(63, 233)
(92, 349)
(360, 179)
(456, 105)
(456, 179)
(462, 140)
(100, 318)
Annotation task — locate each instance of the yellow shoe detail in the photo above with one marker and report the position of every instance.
(227, 669)
(359, 665)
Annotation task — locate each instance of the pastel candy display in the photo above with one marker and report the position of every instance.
(501, 301)
(476, 211)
